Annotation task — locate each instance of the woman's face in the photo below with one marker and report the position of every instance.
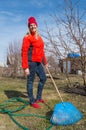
(33, 28)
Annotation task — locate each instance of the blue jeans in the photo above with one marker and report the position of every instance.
(35, 68)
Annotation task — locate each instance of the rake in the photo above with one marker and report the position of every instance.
(64, 113)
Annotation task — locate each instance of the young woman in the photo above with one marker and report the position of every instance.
(33, 57)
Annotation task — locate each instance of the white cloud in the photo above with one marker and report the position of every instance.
(17, 18)
(39, 3)
(10, 16)
(8, 13)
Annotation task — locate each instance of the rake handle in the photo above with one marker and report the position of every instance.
(54, 84)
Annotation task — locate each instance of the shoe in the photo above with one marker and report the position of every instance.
(41, 100)
(35, 105)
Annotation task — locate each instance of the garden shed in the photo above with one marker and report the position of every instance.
(71, 64)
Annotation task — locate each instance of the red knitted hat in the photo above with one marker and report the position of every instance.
(32, 20)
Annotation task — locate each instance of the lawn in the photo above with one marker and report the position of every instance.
(12, 91)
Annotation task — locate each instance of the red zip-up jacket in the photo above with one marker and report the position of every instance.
(32, 50)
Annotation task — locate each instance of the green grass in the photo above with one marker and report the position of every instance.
(10, 88)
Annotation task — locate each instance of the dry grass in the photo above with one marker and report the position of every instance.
(17, 88)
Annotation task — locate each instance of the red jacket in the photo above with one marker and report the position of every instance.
(32, 50)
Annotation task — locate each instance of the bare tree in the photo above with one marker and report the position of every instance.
(14, 58)
(53, 65)
(70, 35)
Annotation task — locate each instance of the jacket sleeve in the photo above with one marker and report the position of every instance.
(44, 60)
(24, 52)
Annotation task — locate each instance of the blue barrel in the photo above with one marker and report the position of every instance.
(73, 55)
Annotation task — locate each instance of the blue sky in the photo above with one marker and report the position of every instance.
(15, 13)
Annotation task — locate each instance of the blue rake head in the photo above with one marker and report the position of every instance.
(65, 113)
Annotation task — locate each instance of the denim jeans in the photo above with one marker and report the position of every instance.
(35, 68)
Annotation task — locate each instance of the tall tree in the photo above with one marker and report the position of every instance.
(70, 35)
(14, 57)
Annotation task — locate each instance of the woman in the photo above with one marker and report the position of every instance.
(32, 58)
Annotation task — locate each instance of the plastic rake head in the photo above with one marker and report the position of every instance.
(65, 113)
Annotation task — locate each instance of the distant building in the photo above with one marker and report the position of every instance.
(71, 64)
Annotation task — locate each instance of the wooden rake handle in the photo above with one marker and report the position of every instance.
(54, 84)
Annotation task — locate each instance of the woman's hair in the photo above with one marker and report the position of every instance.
(29, 32)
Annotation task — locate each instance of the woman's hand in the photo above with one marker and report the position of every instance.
(27, 72)
(46, 66)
